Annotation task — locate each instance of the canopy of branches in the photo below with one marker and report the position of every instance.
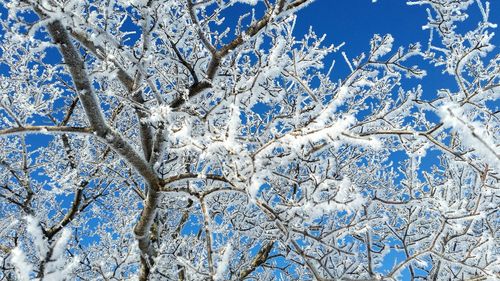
(201, 140)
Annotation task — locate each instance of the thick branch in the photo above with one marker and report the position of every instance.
(146, 133)
(259, 259)
(92, 109)
(218, 55)
(70, 215)
(91, 104)
(43, 129)
(142, 233)
(208, 238)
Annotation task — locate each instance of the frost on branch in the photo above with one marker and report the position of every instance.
(204, 140)
(51, 257)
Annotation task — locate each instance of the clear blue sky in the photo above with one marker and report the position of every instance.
(355, 21)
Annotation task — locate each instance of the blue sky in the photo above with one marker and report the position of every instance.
(355, 21)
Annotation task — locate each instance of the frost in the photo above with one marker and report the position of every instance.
(223, 264)
(344, 190)
(160, 113)
(58, 269)
(61, 243)
(62, 274)
(23, 268)
(347, 198)
(268, 143)
(473, 133)
(33, 227)
(257, 182)
(277, 51)
(249, 2)
(330, 110)
(381, 46)
(109, 137)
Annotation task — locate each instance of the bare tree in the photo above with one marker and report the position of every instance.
(171, 140)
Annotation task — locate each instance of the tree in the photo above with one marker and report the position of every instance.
(171, 140)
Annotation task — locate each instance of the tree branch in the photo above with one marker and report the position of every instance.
(259, 259)
(91, 104)
(44, 129)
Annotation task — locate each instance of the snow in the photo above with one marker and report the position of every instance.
(312, 137)
(348, 62)
(160, 113)
(23, 268)
(472, 132)
(277, 51)
(61, 243)
(223, 264)
(344, 190)
(109, 137)
(249, 2)
(381, 46)
(330, 110)
(41, 244)
(347, 198)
